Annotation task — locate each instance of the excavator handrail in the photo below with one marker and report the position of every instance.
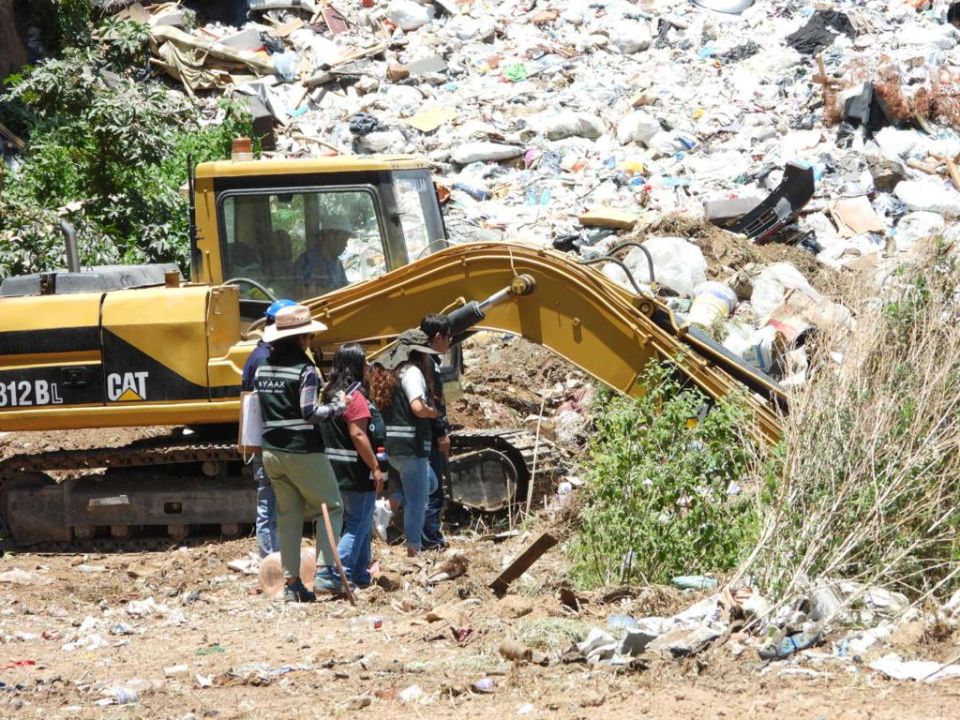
(575, 311)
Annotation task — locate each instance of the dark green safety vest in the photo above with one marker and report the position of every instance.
(278, 387)
(407, 435)
(352, 472)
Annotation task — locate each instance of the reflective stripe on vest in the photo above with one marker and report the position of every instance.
(338, 455)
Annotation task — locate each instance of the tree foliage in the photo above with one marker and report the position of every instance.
(107, 151)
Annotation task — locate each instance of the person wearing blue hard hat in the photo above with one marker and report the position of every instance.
(266, 527)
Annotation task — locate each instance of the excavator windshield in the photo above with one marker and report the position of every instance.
(304, 241)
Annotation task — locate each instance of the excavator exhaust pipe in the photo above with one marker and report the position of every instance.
(73, 253)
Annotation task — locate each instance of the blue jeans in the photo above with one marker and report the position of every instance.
(417, 481)
(432, 533)
(354, 548)
(266, 527)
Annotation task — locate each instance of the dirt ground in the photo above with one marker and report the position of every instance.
(213, 647)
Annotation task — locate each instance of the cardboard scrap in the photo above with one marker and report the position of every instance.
(608, 217)
(855, 216)
(134, 13)
(282, 31)
(334, 20)
(247, 39)
(429, 119)
(423, 66)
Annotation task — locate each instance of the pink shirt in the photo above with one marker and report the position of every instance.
(357, 408)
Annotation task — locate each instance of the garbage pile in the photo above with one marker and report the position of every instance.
(832, 129)
(802, 633)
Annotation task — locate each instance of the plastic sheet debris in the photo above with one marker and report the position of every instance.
(16, 576)
(820, 31)
(789, 644)
(694, 582)
(893, 666)
(732, 7)
(929, 196)
(145, 608)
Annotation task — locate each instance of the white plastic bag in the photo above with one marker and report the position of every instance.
(408, 15)
(930, 196)
(638, 126)
(772, 284)
(677, 263)
(560, 125)
(381, 518)
(251, 424)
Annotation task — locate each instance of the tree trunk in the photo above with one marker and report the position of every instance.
(13, 55)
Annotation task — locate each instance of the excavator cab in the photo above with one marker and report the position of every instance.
(295, 229)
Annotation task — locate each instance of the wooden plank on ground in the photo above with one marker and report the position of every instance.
(519, 566)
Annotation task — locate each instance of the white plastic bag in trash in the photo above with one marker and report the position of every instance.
(772, 284)
(757, 347)
(917, 226)
(560, 125)
(677, 264)
(638, 127)
(929, 195)
(408, 15)
(636, 261)
(381, 518)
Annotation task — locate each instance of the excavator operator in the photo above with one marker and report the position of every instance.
(318, 268)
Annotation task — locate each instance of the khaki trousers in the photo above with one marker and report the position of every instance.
(302, 482)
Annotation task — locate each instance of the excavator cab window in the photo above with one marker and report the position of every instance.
(303, 243)
(418, 213)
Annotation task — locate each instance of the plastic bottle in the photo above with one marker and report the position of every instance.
(474, 191)
(119, 696)
(383, 460)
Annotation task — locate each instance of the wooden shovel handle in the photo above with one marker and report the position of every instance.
(333, 545)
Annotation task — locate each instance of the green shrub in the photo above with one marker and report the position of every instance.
(656, 503)
(63, 23)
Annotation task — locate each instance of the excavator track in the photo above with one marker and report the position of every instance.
(165, 485)
(168, 488)
(490, 469)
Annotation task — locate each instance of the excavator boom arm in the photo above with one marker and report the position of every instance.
(574, 311)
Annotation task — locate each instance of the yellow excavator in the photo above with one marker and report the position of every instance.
(362, 242)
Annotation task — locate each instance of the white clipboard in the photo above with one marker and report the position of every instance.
(250, 436)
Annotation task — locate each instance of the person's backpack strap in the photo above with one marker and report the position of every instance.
(376, 428)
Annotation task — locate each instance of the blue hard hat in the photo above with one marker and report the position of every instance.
(275, 307)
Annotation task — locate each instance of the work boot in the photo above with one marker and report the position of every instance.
(328, 580)
(296, 592)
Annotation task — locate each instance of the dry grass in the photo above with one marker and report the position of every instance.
(936, 99)
(868, 484)
(551, 634)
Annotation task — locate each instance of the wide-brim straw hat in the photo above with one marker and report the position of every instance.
(292, 320)
(408, 342)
